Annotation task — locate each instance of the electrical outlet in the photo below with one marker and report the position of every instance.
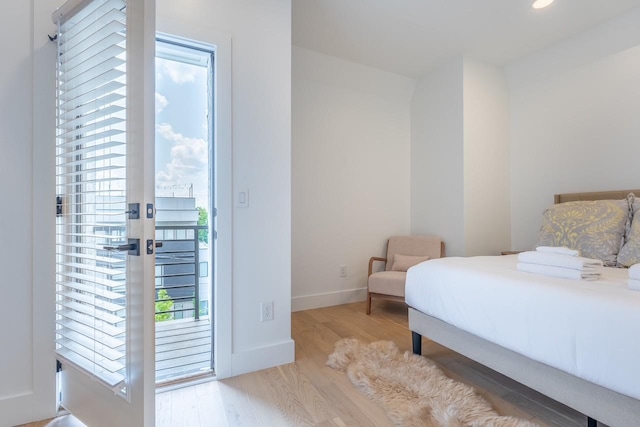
(343, 271)
(266, 311)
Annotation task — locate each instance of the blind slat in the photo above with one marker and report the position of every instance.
(76, 20)
(79, 75)
(90, 355)
(94, 269)
(90, 122)
(71, 142)
(88, 97)
(88, 331)
(96, 291)
(92, 300)
(87, 160)
(92, 84)
(79, 246)
(67, 315)
(91, 37)
(88, 310)
(88, 278)
(95, 104)
(82, 173)
(88, 57)
(101, 259)
(87, 342)
(114, 381)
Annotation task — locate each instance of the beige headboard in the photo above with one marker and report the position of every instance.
(595, 195)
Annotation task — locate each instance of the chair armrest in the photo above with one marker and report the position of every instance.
(372, 260)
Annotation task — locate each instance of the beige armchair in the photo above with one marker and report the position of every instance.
(402, 252)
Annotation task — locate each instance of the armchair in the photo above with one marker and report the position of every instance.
(402, 252)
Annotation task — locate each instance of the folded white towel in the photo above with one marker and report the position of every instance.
(634, 272)
(561, 272)
(633, 284)
(558, 260)
(562, 250)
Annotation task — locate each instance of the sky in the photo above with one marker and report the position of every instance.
(182, 131)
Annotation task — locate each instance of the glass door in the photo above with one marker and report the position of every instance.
(105, 211)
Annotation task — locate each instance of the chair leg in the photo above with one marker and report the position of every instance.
(368, 302)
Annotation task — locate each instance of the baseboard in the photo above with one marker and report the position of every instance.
(24, 408)
(265, 357)
(327, 299)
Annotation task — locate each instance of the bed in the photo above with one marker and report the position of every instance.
(581, 345)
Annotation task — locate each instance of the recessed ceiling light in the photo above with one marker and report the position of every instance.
(539, 4)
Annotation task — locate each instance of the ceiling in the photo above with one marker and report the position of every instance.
(410, 37)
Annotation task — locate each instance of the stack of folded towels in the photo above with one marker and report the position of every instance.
(560, 262)
(633, 282)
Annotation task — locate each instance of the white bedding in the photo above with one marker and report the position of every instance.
(590, 329)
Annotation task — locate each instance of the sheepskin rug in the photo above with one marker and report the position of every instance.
(413, 390)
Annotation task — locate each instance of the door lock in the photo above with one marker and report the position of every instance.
(133, 211)
(151, 245)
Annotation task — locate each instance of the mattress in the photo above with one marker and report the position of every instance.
(589, 329)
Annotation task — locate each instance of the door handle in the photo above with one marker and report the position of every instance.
(132, 247)
(122, 248)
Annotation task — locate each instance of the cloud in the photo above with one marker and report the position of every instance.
(189, 159)
(161, 102)
(178, 72)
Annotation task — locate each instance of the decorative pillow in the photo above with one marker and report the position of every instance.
(595, 228)
(404, 262)
(630, 252)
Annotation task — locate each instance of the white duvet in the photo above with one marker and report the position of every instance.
(590, 329)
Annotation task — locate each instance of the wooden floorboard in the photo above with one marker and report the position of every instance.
(309, 393)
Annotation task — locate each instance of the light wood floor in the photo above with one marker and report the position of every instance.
(308, 393)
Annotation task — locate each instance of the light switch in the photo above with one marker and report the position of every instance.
(242, 198)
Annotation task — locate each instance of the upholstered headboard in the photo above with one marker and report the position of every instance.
(594, 195)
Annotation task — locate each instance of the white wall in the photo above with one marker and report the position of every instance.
(459, 158)
(486, 159)
(260, 32)
(574, 121)
(437, 163)
(16, 109)
(351, 185)
(27, 366)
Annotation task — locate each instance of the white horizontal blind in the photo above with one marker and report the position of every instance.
(91, 289)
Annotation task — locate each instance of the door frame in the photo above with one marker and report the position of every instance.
(221, 182)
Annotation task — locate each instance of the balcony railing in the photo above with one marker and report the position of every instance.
(179, 271)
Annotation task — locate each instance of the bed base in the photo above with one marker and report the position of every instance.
(596, 402)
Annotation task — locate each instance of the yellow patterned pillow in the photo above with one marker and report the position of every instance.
(595, 228)
(630, 252)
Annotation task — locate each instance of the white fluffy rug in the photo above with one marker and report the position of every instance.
(412, 389)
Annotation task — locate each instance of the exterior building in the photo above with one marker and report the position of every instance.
(180, 270)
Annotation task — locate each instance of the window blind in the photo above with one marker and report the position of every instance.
(91, 288)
